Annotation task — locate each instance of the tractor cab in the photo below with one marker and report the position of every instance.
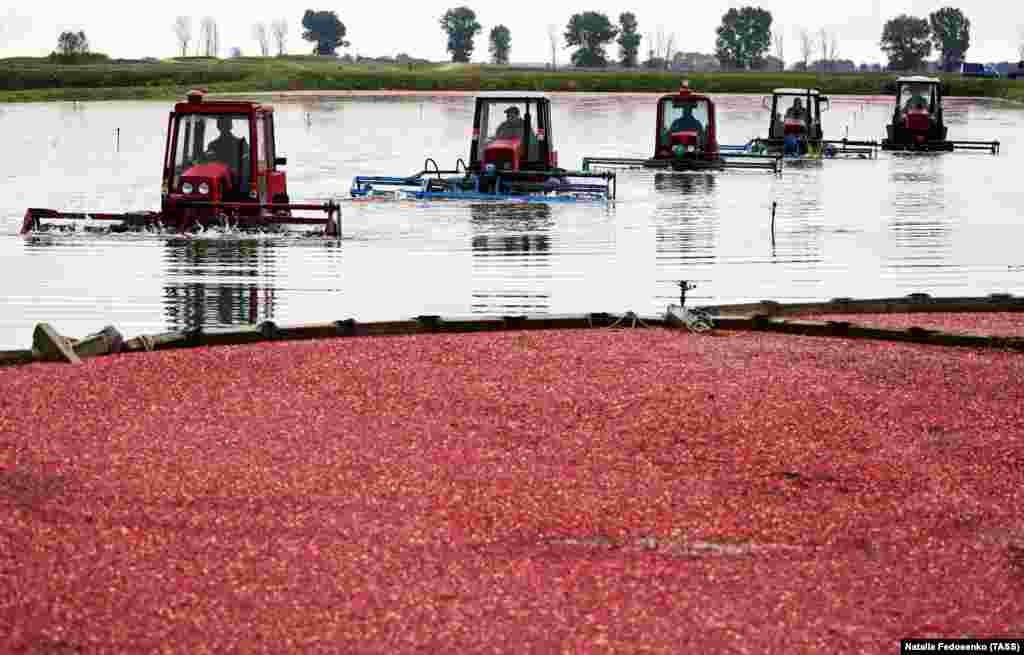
(221, 151)
(512, 133)
(795, 119)
(685, 127)
(917, 116)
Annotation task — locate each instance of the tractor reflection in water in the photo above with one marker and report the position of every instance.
(209, 303)
(698, 184)
(511, 250)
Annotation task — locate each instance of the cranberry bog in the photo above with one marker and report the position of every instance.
(623, 490)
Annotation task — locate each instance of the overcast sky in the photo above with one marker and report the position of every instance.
(31, 29)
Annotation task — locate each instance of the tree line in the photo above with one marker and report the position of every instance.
(744, 39)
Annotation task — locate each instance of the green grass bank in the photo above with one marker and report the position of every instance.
(24, 80)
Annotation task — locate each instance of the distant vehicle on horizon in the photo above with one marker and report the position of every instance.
(978, 70)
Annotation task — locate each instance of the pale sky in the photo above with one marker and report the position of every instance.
(31, 29)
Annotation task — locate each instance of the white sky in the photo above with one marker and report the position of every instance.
(412, 27)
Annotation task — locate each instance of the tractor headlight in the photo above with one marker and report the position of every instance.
(204, 188)
(186, 187)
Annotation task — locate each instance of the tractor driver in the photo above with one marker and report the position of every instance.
(797, 111)
(687, 122)
(917, 101)
(512, 127)
(227, 147)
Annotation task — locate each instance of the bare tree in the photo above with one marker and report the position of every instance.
(183, 32)
(669, 41)
(823, 44)
(833, 48)
(806, 46)
(259, 32)
(778, 46)
(279, 28)
(553, 39)
(1020, 48)
(209, 40)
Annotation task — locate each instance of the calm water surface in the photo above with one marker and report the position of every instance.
(942, 224)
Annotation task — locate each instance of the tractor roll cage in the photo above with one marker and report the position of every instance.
(251, 111)
(934, 100)
(812, 100)
(536, 125)
(681, 99)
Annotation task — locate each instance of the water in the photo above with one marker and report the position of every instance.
(943, 224)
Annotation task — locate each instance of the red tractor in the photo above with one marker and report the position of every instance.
(219, 168)
(511, 155)
(917, 121)
(686, 139)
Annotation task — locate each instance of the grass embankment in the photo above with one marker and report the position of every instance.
(38, 80)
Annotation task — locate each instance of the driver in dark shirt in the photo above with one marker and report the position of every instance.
(227, 147)
(916, 102)
(797, 111)
(512, 127)
(687, 122)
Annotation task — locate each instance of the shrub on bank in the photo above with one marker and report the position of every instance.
(307, 72)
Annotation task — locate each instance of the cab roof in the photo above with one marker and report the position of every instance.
(795, 92)
(511, 95)
(921, 79)
(196, 103)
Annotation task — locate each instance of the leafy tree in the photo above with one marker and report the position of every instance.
(743, 37)
(72, 44)
(326, 30)
(461, 26)
(501, 43)
(906, 41)
(590, 31)
(629, 40)
(951, 33)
